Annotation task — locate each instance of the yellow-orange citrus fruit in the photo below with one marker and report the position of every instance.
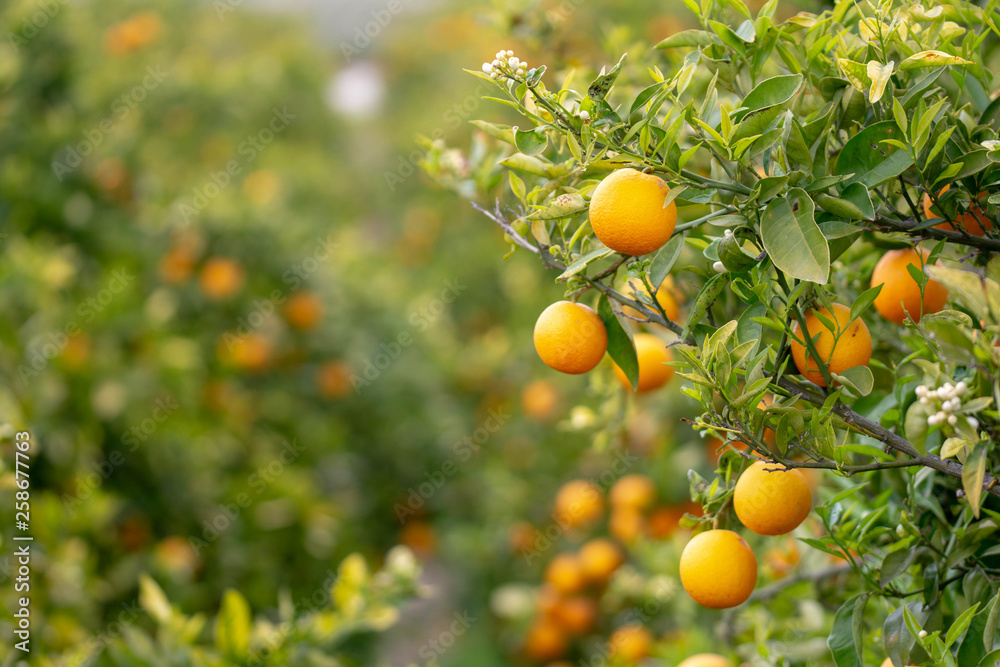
(176, 266)
(303, 311)
(570, 337)
(420, 537)
(631, 643)
(706, 660)
(626, 525)
(653, 355)
(781, 560)
(545, 641)
(633, 491)
(768, 432)
(664, 296)
(665, 521)
(975, 222)
(718, 569)
(576, 615)
(252, 353)
(716, 447)
(770, 501)
(888, 663)
(565, 573)
(579, 503)
(900, 295)
(852, 348)
(599, 559)
(628, 215)
(540, 400)
(133, 33)
(333, 379)
(220, 278)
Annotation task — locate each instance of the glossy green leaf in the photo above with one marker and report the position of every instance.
(869, 160)
(621, 349)
(793, 240)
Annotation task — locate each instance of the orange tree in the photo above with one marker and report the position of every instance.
(797, 173)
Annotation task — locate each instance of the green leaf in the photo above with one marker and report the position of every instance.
(864, 301)
(502, 132)
(858, 378)
(706, 297)
(232, 627)
(664, 260)
(582, 262)
(991, 659)
(844, 643)
(858, 194)
(530, 142)
(856, 73)
(973, 473)
(879, 75)
(980, 637)
(620, 345)
(687, 38)
(838, 207)
(153, 600)
(762, 105)
(869, 160)
(601, 86)
(563, 206)
(793, 240)
(894, 564)
(932, 59)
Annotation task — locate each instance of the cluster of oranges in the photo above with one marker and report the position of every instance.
(569, 603)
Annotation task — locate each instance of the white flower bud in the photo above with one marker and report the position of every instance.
(501, 55)
(496, 63)
(509, 53)
(972, 421)
(961, 388)
(487, 68)
(900, 530)
(584, 116)
(952, 420)
(924, 400)
(922, 634)
(719, 267)
(921, 390)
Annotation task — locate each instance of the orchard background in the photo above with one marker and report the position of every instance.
(279, 377)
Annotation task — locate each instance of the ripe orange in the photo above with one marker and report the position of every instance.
(665, 521)
(251, 353)
(176, 266)
(540, 400)
(900, 295)
(599, 559)
(633, 492)
(652, 354)
(636, 289)
(852, 348)
(545, 641)
(570, 337)
(626, 525)
(715, 447)
(221, 278)
(333, 379)
(576, 615)
(718, 569)
(706, 660)
(420, 537)
(565, 573)
(631, 643)
(133, 33)
(770, 501)
(578, 503)
(628, 215)
(781, 560)
(975, 222)
(303, 311)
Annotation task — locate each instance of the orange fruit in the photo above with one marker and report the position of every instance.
(548, 601)
(420, 537)
(133, 33)
(900, 295)
(770, 501)
(975, 222)
(631, 643)
(768, 432)
(565, 573)
(628, 215)
(718, 569)
(576, 615)
(251, 353)
(540, 400)
(652, 354)
(570, 337)
(221, 278)
(715, 447)
(780, 561)
(545, 641)
(633, 492)
(852, 348)
(636, 289)
(626, 525)
(303, 311)
(706, 660)
(333, 379)
(599, 559)
(578, 503)
(176, 266)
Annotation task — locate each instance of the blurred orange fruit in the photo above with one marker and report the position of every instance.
(718, 569)
(706, 660)
(420, 537)
(333, 379)
(251, 353)
(578, 503)
(576, 615)
(900, 295)
(626, 525)
(665, 296)
(545, 641)
(565, 573)
(570, 337)
(652, 354)
(599, 558)
(631, 643)
(133, 33)
(304, 311)
(975, 222)
(781, 560)
(540, 400)
(852, 348)
(221, 278)
(627, 212)
(633, 492)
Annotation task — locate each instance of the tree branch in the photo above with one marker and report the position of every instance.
(962, 238)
